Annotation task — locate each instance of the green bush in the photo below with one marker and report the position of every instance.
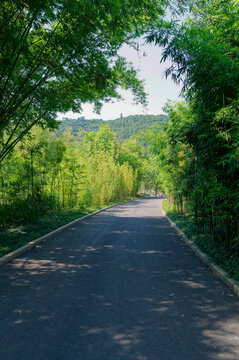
(26, 210)
(86, 199)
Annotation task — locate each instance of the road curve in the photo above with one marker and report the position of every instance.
(120, 285)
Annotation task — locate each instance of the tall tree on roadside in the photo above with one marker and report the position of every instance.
(204, 51)
(57, 54)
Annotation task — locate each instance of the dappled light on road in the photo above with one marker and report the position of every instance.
(119, 285)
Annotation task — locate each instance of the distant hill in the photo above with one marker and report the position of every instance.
(124, 127)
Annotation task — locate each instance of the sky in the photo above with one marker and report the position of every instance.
(158, 88)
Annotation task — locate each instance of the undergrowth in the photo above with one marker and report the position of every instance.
(227, 259)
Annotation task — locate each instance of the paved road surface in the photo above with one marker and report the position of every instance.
(120, 285)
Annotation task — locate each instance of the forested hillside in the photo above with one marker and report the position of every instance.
(123, 127)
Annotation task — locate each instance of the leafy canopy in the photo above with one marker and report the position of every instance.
(57, 54)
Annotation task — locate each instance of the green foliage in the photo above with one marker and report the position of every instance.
(226, 258)
(85, 199)
(197, 151)
(46, 173)
(56, 55)
(26, 210)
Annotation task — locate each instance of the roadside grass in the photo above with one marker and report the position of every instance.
(15, 237)
(228, 260)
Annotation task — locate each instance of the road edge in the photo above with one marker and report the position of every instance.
(31, 244)
(217, 270)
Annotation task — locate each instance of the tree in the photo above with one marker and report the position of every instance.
(204, 51)
(57, 54)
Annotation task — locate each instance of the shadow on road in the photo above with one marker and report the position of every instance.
(116, 286)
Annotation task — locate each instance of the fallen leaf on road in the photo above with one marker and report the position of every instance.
(171, 294)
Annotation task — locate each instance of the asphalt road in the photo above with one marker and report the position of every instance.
(121, 285)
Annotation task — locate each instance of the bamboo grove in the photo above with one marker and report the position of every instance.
(46, 173)
(197, 151)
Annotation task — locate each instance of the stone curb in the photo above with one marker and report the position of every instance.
(217, 270)
(12, 255)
